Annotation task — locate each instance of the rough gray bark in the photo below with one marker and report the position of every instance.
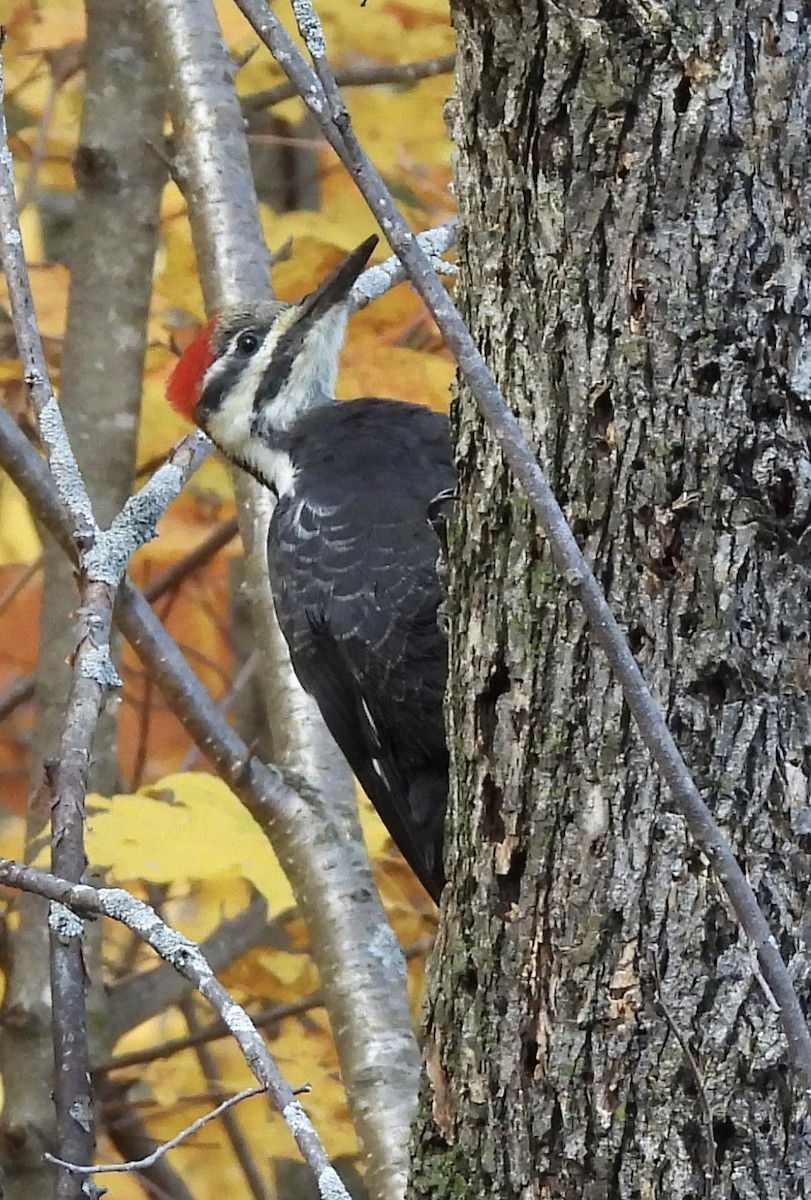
(113, 249)
(633, 185)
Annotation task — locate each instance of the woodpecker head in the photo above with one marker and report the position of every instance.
(251, 373)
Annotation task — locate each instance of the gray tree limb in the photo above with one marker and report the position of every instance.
(113, 248)
(185, 956)
(320, 846)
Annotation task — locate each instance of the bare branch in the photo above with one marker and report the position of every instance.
(138, 999)
(367, 75)
(141, 1164)
(255, 1184)
(379, 279)
(185, 957)
(322, 97)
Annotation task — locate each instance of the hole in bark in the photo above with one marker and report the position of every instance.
(767, 403)
(509, 885)
(725, 1137)
(468, 980)
(706, 376)
(637, 298)
(498, 683)
(492, 820)
(601, 420)
(781, 494)
(581, 528)
(713, 687)
(638, 464)
(695, 862)
(681, 96)
(670, 564)
(636, 638)
(720, 934)
(688, 624)
(763, 273)
(96, 169)
(721, 686)
(529, 1056)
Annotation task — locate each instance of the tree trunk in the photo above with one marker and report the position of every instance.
(633, 183)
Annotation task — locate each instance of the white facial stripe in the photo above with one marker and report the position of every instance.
(244, 432)
(230, 424)
(312, 376)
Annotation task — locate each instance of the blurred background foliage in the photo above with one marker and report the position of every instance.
(157, 837)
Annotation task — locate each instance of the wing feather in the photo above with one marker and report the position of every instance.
(353, 565)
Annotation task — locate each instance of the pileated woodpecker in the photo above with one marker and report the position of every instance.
(351, 554)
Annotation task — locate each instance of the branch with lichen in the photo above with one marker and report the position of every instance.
(71, 902)
(102, 559)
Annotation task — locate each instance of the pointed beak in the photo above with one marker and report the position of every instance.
(336, 287)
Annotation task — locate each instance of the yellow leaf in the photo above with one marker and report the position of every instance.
(409, 374)
(188, 825)
(19, 541)
(176, 279)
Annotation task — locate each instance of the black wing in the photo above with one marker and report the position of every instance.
(353, 565)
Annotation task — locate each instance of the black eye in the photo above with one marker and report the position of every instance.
(246, 344)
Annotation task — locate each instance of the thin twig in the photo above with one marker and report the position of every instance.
(265, 1017)
(238, 684)
(201, 554)
(63, 63)
(186, 957)
(386, 275)
(22, 689)
(320, 93)
(141, 1164)
(236, 1138)
(130, 1139)
(35, 160)
(362, 76)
